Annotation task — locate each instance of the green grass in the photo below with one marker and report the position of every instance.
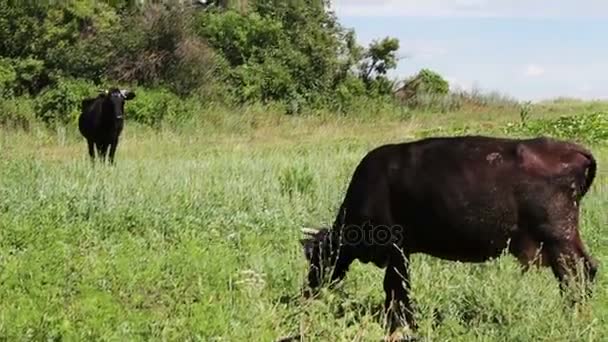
(195, 236)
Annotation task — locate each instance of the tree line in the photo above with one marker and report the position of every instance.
(233, 52)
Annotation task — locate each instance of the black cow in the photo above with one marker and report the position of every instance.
(101, 121)
(458, 198)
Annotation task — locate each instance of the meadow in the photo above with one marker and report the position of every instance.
(194, 236)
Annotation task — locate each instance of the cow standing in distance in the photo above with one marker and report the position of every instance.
(101, 121)
(458, 198)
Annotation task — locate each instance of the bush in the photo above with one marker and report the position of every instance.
(61, 103)
(425, 82)
(22, 76)
(16, 112)
(427, 90)
(589, 128)
(347, 93)
(155, 107)
(78, 39)
(8, 76)
(158, 47)
(432, 83)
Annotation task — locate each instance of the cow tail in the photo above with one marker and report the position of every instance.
(591, 171)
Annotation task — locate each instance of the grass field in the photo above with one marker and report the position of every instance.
(195, 236)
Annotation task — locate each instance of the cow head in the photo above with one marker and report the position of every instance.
(115, 100)
(320, 253)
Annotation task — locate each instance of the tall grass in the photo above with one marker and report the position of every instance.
(194, 235)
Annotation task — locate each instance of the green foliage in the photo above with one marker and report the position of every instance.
(524, 112)
(348, 92)
(22, 76)
(8, 76)
(233, 52)
(588, 127)
(380, 57)
(428, 90)
(16, 113)
(158, 47)
(78, 38)
(241, 38)
(292, 55)
(87, 39)
(153, 107)
(430, 82)
(61, 104)
(21, 28)
(291, 51)
(72, 38)
(250, 45)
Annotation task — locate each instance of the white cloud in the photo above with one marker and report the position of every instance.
(533, 70)
(473, 8)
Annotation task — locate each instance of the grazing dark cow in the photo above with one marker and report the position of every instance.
(458, 198)
(101, 121)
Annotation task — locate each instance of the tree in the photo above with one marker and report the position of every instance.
(158, 46)
(294, 52)
(280, 50)
(380, 57)
(425, 82)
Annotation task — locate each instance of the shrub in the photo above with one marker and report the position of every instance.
(590, 128)
(432, 83)
(427, 90)
(157, 47)
(347, 93)
(425, 82)
(22, 76)
(78, 39)
(8, 76)
(155, 107)
(16, 112)
(61, 103)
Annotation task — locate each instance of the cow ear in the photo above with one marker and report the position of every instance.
(129, 95)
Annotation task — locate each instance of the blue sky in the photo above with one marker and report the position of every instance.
(528, 49)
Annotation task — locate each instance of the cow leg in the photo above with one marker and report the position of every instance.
(102, 150)
(397, 304)
(113, 147)
(564, 258)
(99, 146)
(589, 263)
(91, 146)
(564, 246)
